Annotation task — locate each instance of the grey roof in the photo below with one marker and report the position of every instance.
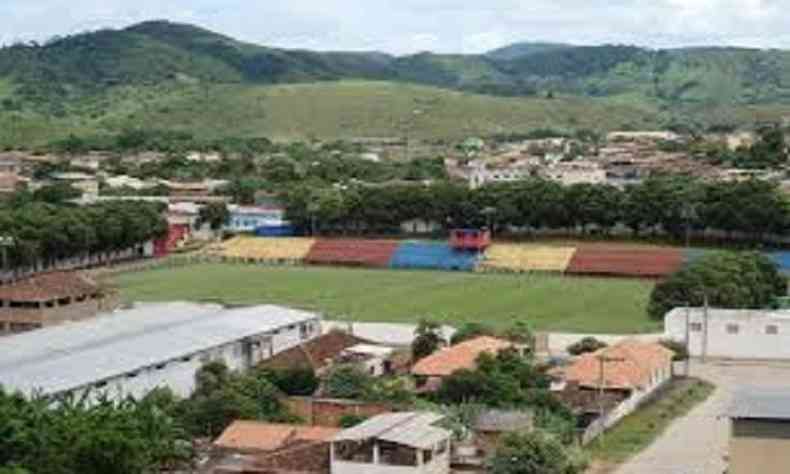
(388, 334)
(760, 403)
(503, 420)
(74, 355)
(414, 429)
(729, 314)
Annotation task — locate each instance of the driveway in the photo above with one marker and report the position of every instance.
(697, 443)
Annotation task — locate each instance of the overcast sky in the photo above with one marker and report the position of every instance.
(408, 26)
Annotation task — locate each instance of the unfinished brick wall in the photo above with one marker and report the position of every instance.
(329, 412)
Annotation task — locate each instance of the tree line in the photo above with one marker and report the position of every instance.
(662, 205)
(42, 232)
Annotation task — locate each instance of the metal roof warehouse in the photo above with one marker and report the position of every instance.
(122, 344)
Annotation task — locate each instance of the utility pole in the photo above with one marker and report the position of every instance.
(705, 325)
(6, 242)
(688, 342)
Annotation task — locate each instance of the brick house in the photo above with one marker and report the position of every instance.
(48, 299)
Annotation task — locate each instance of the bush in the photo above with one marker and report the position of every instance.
(349, 381)
(728, 279)
(586, 345)
(470, 331)
(679, 348)
(351, 420)
(292, 382)
(535, 453)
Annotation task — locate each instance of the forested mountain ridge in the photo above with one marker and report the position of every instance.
(186, 78)
(156, 51)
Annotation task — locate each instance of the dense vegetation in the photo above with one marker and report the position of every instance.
(724, 280)
(43, 232)
(108, 80)
(670, 205)
(73, 437)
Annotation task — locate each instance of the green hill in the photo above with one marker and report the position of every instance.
(168, 75)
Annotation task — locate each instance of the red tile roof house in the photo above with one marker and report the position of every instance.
(430, 370)
(256, 447)
(48, 299)
(629, 372)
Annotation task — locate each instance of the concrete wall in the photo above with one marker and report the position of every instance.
(717, 337)
(759, 446)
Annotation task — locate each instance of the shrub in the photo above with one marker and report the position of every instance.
(351, 420)
(679, 348)
(588, 344)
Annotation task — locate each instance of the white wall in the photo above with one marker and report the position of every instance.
(710, 337)
(179, 374)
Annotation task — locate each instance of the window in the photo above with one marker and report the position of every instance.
(732, 329)
(695, 327)
(772, 329)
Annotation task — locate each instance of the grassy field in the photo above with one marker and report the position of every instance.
(547, 302)
(637, 431)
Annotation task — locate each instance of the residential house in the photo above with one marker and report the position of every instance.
(86, 183)
(264, 221)
(48, 299)
(254, 437)
(270, 448)
(317, 354)
(631, 371)
(89, 161)
(430, 370)
(375, 360)
(386, 334)
(760, 432)
(731, 333)
(575, 172)
(490, 425)
(393, 443)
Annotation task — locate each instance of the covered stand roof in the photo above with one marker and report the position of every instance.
(413, 429)
(70, 356)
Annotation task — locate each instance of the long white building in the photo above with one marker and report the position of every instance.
(130, 352)
(731, 333)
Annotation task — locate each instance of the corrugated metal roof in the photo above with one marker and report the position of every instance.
(760, 403)
(412, 429)
(71, 356)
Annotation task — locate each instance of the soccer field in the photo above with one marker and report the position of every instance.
(547, 302)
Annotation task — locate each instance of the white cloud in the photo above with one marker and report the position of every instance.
(406, 26)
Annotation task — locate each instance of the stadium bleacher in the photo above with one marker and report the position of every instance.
(352, 252)
(291, 249)
(434, 256)
(526, 258)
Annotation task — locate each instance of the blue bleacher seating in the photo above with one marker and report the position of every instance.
(429, 255)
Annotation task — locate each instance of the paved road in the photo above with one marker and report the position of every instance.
(697, 443)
